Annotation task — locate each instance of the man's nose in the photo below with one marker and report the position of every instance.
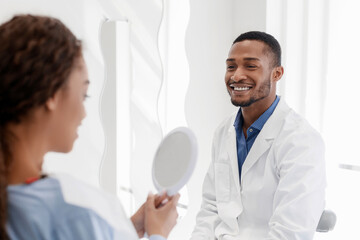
(238, 75)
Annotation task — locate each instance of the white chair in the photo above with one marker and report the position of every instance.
(327, 221)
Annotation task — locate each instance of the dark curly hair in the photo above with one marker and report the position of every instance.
(37, 54)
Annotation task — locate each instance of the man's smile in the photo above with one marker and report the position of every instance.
(241, 88)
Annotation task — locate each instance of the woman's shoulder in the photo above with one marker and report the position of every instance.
(35, 209)
(39, 193)
(81, 194)
(60, 199)
(44, 197)
(107, 206)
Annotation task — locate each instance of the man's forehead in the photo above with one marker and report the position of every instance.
(248, 45)
(245, 58)
(250, 49)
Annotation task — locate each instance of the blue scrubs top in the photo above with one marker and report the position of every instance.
(39, 211)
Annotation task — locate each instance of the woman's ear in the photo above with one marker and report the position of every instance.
(53, 101)
(277, 73)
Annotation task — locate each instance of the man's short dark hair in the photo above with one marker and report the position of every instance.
(266, 38)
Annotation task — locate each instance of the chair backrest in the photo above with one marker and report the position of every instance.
(327, 221)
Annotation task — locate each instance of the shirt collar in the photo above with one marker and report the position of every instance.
(260, 122)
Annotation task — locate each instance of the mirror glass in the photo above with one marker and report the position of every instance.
(174, 160)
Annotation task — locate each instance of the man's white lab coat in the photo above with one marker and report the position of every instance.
(282, 190)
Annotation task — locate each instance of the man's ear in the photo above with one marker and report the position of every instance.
(277, 73)
(53, 101)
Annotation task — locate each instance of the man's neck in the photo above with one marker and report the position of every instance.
(251, 113)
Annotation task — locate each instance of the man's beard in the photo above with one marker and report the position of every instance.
(262, 93)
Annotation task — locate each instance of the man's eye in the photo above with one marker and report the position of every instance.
(251, 66)
(86, 96)
(230, 67)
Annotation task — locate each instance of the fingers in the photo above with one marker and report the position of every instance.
(172, 202)
(161, 220)
(150, 202)
(162, 200)
(175, 199)
(159, 199)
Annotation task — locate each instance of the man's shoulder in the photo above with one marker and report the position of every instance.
(295, 126)
(295, 121)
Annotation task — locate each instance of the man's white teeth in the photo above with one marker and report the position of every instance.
(241, 88)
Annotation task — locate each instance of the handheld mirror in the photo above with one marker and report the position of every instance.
(174, 160)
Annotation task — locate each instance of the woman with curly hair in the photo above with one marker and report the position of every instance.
(43, 85)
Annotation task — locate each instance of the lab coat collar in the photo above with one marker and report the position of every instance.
(262, 143)
(266, 136)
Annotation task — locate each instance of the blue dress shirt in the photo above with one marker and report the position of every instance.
(243, 144)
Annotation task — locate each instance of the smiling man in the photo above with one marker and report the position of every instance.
(267, 178)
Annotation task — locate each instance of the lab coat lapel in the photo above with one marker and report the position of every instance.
(236, 202)
(231, 149)
(261, 145)
(266, 136)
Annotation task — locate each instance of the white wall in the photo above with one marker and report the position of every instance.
(341, 117)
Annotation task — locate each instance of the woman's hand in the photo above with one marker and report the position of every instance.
(160, 220)
(138, 219)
